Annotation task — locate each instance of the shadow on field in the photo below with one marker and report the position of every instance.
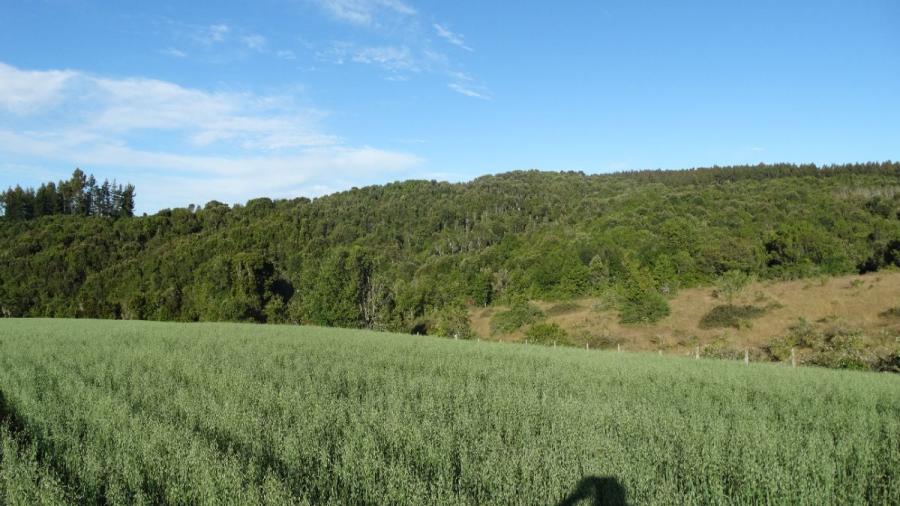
(597, 491)
(9, 417)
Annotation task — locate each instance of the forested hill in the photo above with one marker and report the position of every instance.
(407, 256)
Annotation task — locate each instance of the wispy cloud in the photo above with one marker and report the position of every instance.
(255, 42)
(453, 38)
(387, 57)
(203, 144)
(212, 34)
(364, 12)
(467, 91)
(26, 92)
(465, 84)
(406, 51)
(286, 54)
(174, 52)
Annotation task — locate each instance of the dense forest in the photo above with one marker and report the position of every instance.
(410, 256)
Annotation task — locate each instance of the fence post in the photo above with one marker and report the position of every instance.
(746, 357)
(619, 347)
(554, 344)
(587, 346)
(793, 358)
(660, 353)
(697, 352)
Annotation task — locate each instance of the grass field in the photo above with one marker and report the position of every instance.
(112, 412)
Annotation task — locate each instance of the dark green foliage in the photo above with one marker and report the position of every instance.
(520, 314)
(547, 333)
(78, 196)
(641, 300)
(392, 256)
(729, 315)
(452, 321)
(640, 306)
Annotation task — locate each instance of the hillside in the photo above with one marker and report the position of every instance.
(412, 256)
(112, 412)
(858, 307)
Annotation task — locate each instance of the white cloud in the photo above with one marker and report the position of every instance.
(465, 84)
(255, 42)
(365, 12)
(286, 54)
(166, 179)
(203, 118)
(26, 92)
(212, 34)
(388, 57)
(468, 91)
(414, 55)
(183, 145)
(453, 38)
(174, 52)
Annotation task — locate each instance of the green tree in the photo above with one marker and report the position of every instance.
(641, 301)
(731, 284)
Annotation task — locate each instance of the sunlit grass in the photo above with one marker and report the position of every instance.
(136, 412)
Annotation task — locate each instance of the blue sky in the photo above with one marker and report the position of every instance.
(230, 100)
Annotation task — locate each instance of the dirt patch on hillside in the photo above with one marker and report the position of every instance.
(858, 300)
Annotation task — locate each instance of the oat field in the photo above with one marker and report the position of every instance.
(117, 412)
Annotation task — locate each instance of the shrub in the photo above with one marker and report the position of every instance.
(547, 333)
(731, 284)
(452, 321)
(831, 343)
(644, 308)
(598, 339)
(721, 348)
(730, 316)
(890, 313)
(606, 301)
(521, 313)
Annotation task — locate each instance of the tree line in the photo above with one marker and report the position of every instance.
(79, 196)
(412, 256)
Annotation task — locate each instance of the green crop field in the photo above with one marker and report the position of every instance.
(114, 412)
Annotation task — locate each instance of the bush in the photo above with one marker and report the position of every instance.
(598, 339)
(831, 343)
(731, 284)
(891, 313)
(547, 333)
(521, 313)
(730, 316)
(641, 302)
(649, 308)
(452, 321)
(721, 348)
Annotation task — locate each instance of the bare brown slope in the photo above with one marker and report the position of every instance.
(856, 300)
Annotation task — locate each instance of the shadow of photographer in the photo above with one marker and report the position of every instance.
(597, 491)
